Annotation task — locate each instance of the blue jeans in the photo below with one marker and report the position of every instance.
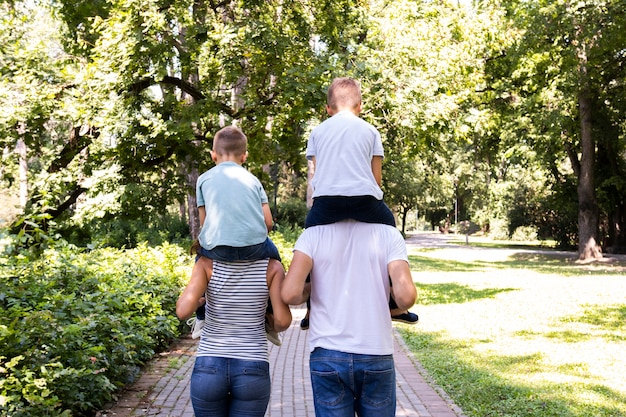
(225, 387)
(348, 383)
(332, 209)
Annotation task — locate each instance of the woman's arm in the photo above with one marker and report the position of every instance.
(192, 296)
(282, 313)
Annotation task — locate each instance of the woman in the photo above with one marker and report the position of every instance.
(231, 374)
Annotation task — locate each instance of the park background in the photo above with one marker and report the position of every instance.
(502, 119)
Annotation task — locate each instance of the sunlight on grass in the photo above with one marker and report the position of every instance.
(454, 293)
(564, 265)
(521, 334)
(491, 384)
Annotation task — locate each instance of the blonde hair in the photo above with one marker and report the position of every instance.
(230, 140)
(344, 92)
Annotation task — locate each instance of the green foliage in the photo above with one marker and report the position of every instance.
(123, 232)
(558, 217)
(76, 326)
(33, 232)
(284, 237)
(524, 234)
(291, 212)
(119, 100)
(499, 229)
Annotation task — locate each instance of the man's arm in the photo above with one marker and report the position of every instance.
(404, 291)
(377, 169)
(295, 290)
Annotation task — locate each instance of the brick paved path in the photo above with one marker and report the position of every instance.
(163, 388)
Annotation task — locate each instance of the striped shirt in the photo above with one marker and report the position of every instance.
(236, 299)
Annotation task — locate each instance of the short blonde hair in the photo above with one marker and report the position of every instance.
(344, 92)
(230, 140)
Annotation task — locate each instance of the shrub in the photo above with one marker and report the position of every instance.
(291, 212)
(524, 234)
(285, 239)
(75, 326)
(499, 229)
(119, 232)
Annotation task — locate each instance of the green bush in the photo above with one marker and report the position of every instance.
(291, 212)
(76, 326)
(499, 229)
(285, 239)
(524, 234)
(120, 232)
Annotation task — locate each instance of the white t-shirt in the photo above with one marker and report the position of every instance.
(343, 147)
(350, 285)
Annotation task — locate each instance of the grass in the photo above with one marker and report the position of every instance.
(506, 331)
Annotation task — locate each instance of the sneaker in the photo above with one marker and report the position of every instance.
(408, 318)
(272, 335)
(304, 324)
(196, 327)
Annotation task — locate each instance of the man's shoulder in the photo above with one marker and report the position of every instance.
(371, 228)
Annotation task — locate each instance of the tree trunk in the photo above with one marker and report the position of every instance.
(192, 206)
(309, 188)
(588, 247)
(21, 151)
(405, 212)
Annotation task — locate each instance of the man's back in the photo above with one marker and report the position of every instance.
(350, 285)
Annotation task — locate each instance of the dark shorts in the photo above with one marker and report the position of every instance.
(332, 209)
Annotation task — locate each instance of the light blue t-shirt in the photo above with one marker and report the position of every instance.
(343, 147)
(233, 200)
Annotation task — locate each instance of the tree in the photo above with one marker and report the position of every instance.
(154, 80)
(566, 73)
(35, 113)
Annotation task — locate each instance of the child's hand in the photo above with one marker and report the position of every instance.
(201, 301)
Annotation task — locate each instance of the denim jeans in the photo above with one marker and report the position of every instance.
(226, 387)
(332, 209)
(347, 383)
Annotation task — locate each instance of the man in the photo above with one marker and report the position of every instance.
(350, 333)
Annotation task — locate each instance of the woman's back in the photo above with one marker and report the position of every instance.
(235, 311)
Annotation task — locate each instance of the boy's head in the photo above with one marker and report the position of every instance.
(230, 140)
(344, 94)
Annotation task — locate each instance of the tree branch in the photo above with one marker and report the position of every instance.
(140, 85)
(73, 147)
(71, 199)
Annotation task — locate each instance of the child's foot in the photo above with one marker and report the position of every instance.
(304, 324)
(408, 318)
(272, 335)
(196, 327)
